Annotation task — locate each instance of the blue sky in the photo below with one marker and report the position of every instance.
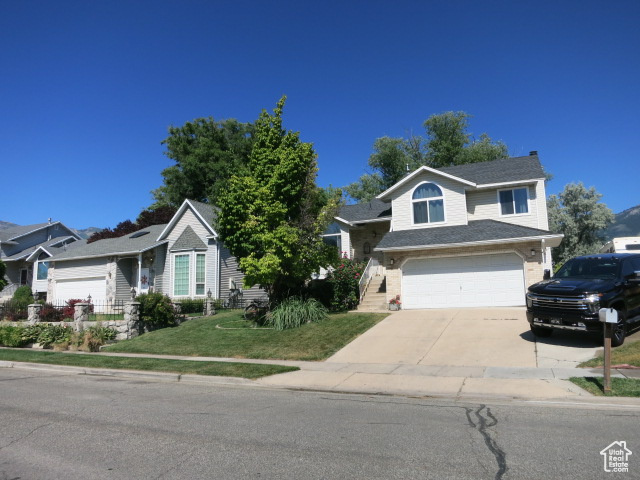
(88, 89)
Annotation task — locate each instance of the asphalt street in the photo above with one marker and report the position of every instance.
(60, 426)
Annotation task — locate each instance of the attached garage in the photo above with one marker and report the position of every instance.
(495, 280)
(82, 288)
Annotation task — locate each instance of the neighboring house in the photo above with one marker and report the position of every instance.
(26, 249)
(463, 236)
(183, 259)
(621, 245)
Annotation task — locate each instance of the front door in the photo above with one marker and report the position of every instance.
(24, 276)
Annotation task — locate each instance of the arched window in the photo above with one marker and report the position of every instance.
(428, 204)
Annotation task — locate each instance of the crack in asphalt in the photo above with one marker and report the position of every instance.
(484, 422)
(19, 439)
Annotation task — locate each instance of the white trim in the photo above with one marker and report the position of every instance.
(528, 212)
(373, 220)
(533, 181)
(476, 243)
(340, 219)
(427, 200)
(29, 259)
(418, 171)
(186, 204)
(192, 254)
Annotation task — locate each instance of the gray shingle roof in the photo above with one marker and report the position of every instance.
(188, 240)
(134, 242)
(499, 171)
(475, 231)
(52, 250)
(19, 230)
(208, 212)
(359, 212)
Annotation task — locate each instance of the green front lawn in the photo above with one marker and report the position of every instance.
(628, 353)
(201, 337)
(620, 387)
(220, 369)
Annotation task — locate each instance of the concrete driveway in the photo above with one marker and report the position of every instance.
(497, 337)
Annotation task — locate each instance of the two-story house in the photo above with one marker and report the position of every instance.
(470, 235)
(25, 250)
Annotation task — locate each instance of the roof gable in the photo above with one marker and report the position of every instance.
(14, 233)
(423, 169)
(204, 212)
(188, 240)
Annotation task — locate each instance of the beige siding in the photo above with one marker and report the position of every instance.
(541, 202)
(455, 208)
(88, 268)
(484, 205)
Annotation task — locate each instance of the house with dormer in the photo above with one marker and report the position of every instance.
(26, 250)
(182, 259)
(474, 235)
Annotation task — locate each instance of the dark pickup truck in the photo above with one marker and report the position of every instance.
(572, 299)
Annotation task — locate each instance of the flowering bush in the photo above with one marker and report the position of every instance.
(344, 279)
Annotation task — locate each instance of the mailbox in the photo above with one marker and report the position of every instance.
(608, 315)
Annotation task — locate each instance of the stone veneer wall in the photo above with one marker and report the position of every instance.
(364, 234)
(112, 270)
(533, 266)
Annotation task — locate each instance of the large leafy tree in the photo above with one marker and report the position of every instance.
(3, 270)
(206, 154)
(578, 214)
(447, 143)
(272, 217)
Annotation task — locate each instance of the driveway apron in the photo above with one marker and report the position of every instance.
(497, 337)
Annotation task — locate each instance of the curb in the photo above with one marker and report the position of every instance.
(143, 375)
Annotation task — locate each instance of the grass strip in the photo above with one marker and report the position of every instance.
(628, 353)
(201, 337)
(620, 387)
(219, 369)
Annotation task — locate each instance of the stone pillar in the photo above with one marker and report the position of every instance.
(209, 309)
(132, 317)
(80, 315)
(34, 313)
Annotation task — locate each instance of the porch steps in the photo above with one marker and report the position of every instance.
(375, 299)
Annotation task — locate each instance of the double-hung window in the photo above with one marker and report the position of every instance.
(200, 269)
(428, 204)
(514, 201)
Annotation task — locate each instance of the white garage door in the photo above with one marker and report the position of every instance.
(82, 288)
(471, 281)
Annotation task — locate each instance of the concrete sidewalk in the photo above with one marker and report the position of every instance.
(524, 383)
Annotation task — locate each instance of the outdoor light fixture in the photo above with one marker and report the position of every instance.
(209, 294)
(533, 252)
(391, 260)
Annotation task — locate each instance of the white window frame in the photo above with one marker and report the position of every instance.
(193, 255)
(38, 270)
(427, 200)
(513, 189)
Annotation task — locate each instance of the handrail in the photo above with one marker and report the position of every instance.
(363, 284)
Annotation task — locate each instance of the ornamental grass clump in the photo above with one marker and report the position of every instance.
(293, 312)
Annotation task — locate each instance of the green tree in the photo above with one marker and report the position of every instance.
(3, 270)
(206, 154)
(272, 217)
(578, 214)
(447, 143)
